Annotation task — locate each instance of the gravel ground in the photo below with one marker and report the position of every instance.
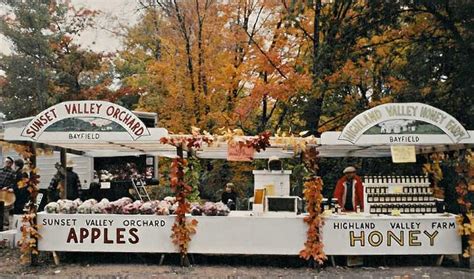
(88, 265)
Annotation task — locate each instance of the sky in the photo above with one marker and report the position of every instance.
(105, 36)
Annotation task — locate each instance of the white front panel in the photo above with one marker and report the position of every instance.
(129, 233)
(406, 235)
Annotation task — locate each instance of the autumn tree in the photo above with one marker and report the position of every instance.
(46, 65)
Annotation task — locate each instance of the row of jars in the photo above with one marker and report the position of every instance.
(403, 208)
(396, 179)
(374, 198)
(406, 189)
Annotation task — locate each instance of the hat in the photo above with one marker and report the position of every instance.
(230, 184)
(7, 197)
(349, 169)
(9, 159)
(70, 164)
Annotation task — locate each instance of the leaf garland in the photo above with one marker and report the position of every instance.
(29, 228)
(183, 229)
(465, 169)
(313, 245)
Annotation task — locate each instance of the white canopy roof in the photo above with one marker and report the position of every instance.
(116, 144)
(375, 145)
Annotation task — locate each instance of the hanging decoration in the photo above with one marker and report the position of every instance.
(464, 188)
(313, 245)
(29, 228)
(183, 229)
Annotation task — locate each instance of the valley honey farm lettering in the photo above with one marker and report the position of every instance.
(398, 111)
(398, 234)
(100, 109)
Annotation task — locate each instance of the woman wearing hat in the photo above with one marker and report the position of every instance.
(73, 183)
(349, 190)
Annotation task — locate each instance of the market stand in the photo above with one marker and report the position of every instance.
(262, 232)
(238, 233)
(409, 129)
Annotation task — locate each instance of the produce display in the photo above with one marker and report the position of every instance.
(166, 206)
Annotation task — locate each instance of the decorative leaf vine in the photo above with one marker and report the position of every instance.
(313, 245)
(29, 228)
(183, 229)
(465, 170)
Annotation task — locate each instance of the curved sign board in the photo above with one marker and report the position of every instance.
(88, 116)
(403, 119)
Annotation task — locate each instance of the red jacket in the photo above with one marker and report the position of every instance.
(357, 192)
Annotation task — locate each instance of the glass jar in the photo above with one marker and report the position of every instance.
(403, 197)
(382, 198)
(412, 208)
(415, 197)
(376, 197)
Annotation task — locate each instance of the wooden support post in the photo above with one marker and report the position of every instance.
(32, 207)
(2, 214)
(439, 260)
(162, 258)
(63, 159)
(56, 258)
(183, 256)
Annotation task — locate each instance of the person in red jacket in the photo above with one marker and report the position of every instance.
(349, 190)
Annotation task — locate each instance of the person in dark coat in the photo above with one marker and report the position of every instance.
(229, 196)
(73, 183)
(21, 191)
(7, 182)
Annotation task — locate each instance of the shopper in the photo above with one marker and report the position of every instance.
(54, 189)
(21, 191)
(349, 190)
(7, 175)
(229, 197)
(73, 183)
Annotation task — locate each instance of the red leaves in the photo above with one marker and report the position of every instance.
(187, 142)
(260, 142)
(313, 245)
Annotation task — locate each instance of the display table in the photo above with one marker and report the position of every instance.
(360, 234)
(241, 233)
(238, 233)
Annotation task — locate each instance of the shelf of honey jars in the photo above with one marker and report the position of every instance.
(402, 194)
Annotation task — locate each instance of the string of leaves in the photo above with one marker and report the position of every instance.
(313, 247)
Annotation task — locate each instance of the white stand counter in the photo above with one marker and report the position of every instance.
(240, 233)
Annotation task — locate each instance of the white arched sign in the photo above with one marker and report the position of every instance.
(86, 109)
(402, 118)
